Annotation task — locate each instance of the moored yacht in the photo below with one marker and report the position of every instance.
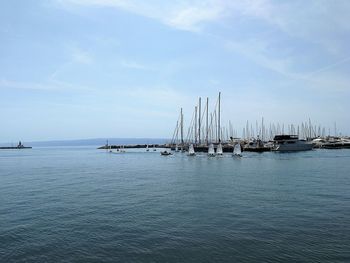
(289, 143)
(341, 143)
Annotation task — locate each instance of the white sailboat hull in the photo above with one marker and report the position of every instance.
(211, 151)
(237, 152)
(191, 151)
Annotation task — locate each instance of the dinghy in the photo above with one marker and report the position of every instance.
(237, 150)
(211, 150)
(165, 153)
(191, 151)
(219, 150)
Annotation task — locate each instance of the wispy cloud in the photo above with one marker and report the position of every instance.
(256, 51)
(312, 23)
(297, 18)
(184, 15)
(135, 65)
(8, 84)
(74, 56)
(81, 56)
(51, 85)
(190, 17)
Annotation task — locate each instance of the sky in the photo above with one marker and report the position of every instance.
(73, 69)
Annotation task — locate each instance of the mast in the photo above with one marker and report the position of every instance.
(216, 126)
(262, 129)
(199, 120)
(182, 127)
(219, 119)
(195, 125)
(206, 124)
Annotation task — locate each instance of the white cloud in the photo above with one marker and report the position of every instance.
(184, 15)
(297, 18)
(190, 18)
(315, 22)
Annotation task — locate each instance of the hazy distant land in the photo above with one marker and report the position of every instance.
(89, 142)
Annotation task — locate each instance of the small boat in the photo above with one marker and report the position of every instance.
(154, 148)
(165, 153)
(191, 151)
(237, 151)
(290, 143)
(256, 146)
(211, 150)
(318, 142)
(219, 150)
(339, 144)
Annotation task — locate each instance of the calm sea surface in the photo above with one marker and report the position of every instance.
(85, 205)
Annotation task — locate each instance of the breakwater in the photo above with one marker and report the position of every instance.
(13, 148)
(134, 146)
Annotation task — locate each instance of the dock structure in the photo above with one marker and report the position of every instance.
(134, 146)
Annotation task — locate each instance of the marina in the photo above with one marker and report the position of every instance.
(210, 131)
(205, 133)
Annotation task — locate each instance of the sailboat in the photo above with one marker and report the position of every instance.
(147, 149)
(110, 149)
(191, 151)
(219, 150)
(237, 150)
(211, 150)
(176, 148)
(154, 148)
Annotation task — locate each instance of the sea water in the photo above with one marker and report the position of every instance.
(81, 204)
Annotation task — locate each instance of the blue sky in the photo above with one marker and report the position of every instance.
(112, 68)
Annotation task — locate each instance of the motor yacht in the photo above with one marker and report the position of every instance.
(289, 143)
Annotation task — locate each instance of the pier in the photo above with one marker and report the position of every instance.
(19, 146)
(134, 146)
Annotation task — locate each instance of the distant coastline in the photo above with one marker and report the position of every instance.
(89, 142)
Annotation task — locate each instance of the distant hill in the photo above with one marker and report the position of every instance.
(91, 142)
